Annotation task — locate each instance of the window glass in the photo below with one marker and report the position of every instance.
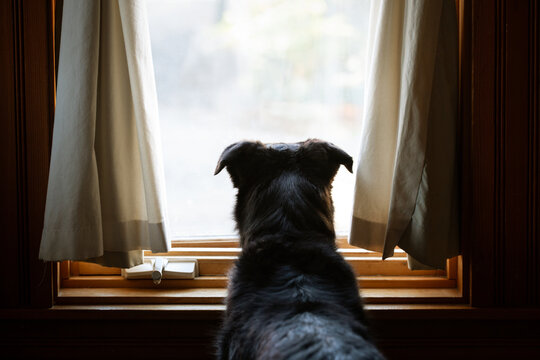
(269, 70)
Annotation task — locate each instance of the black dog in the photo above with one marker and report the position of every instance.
(291, 295)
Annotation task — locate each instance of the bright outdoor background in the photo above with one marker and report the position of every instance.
(269, 70)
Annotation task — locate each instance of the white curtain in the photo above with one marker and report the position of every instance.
(106, 194)
(406, 191)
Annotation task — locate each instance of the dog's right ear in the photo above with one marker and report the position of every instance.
(241, 160)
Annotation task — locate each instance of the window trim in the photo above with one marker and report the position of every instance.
(421, 295)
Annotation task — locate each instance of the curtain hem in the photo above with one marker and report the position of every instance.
(367, 235)
(121, 259)
(97, 244)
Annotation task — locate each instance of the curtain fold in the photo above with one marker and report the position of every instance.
(406, 189)
(106, 192)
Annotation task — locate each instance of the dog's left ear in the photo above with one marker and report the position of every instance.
(321, 159)
(242, 159)
(339, 156)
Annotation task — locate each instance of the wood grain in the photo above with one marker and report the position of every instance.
(10, 290)
(482, 132)
(504, 154)
(38, 83)
(27, 78)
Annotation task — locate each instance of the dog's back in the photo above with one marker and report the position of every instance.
(291, 295)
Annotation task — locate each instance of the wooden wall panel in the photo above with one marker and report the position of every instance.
(39, 87)
(514, 128)
(27, 61)
(533, 235)
(504, 153)
(9, 289)
(482, 163)
(464, 136)
(166, 334)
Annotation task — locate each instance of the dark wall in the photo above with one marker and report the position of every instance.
(27, 103)
(500, 142)
(405, 334)
(501, 122)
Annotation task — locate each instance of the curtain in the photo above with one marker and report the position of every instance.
(406, 190)
(106, 193)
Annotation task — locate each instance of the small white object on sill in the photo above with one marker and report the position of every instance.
(158, 268)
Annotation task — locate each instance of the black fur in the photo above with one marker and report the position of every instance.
(291, 295)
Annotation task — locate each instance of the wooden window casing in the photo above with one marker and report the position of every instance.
(380, 282)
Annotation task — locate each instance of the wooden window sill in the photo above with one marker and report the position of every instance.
(381, 282)
(110, 296)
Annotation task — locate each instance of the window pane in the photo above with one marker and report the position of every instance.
(231, 70)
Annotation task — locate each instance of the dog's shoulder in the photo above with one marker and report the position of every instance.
(296, 273)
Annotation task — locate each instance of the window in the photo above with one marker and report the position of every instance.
(274, 70)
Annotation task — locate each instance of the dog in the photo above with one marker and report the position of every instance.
(290, 295)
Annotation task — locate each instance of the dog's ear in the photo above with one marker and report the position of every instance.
(339, 156)
(242, 159)
(321, 159)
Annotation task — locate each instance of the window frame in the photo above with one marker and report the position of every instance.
(70, 289)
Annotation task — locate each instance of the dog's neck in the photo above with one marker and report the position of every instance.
(287, 207)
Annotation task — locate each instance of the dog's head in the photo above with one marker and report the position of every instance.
(283, 187)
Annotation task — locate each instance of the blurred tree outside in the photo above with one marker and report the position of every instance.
(269, 70)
